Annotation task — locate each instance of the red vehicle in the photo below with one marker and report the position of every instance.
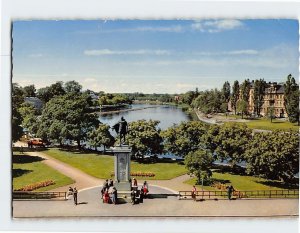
(36, 142)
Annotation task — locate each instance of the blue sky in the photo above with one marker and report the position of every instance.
(161, 56)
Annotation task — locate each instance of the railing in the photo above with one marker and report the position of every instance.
(218, 194)
(17, 195)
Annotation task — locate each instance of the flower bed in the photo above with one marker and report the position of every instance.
(35, 186)
(138, 174)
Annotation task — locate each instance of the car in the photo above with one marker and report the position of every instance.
(36, 142)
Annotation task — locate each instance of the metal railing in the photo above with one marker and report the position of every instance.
(220, 194)
(18, 195)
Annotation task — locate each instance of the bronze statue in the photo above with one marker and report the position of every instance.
(121, 129)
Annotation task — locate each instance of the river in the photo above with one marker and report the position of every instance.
(166, 114)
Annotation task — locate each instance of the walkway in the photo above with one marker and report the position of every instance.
(90, 205)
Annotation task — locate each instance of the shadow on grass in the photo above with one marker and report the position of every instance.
(21, 159)
(19, 172)
(235, 170)
(27, 149)
(280, 185)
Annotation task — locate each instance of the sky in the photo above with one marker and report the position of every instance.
(154, 56)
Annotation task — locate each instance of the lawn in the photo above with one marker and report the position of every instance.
(242, 183)
(276, 124)
(101, 166)
(28, 170)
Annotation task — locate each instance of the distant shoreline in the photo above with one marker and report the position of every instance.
(126, 110)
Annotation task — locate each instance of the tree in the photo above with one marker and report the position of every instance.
(47, 93)
(271, 113)
(29, 117)
(258, 95)
(183, 138)
(67, 117)
(273, 155)
(17, 100)
(199, 163)
(144, 137)
(245, 90)
(29, 91)
(228, 141)
(226, 91)
(291, 99)
(235, 95)
(242, 107)
(101, 137)
(72, 86)
(210, 102)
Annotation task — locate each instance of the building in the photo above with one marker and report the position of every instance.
(35, 102)
(273, 97)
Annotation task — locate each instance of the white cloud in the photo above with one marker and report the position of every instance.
(126, 52)
(213, 26)
(35, 55)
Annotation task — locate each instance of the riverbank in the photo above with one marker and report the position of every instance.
(126, 110)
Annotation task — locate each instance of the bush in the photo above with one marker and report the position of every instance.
(35, 186)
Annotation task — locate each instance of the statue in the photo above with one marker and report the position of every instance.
(121, 129)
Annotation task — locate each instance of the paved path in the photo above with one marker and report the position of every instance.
(162, 204)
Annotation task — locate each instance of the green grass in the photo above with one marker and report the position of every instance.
(242, 183)
(28, 170)
(276, 124)
(101, 166)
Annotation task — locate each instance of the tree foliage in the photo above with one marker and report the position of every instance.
(199, 163)
(258, 95)
(47, 93)
(273, 155)
(291, 99)
(29, 91)
(144, 137)
(183, 138)
(67, 117)
(17, 100)
(235, 95)
(101, 137)
(228, 141)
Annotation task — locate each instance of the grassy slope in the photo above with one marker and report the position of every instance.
(101, 166)
(29, 172)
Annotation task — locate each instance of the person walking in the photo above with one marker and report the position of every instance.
(230, 190)
(194, 193)
(75, 192)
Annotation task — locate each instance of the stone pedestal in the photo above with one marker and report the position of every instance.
(122, 168)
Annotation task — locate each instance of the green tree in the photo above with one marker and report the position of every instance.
(242, 107)
(17, 100)
(273, 155)
(29, 91)
(101, 137)
(184, 138)
(291, 99)
(235, 95)
(47, 93)
(144, 137)
(72, 86)
(228, 141)
(199, 163)
(29, 117)
(67, 117)
(271, 113)
(258, 95)
(226, 91)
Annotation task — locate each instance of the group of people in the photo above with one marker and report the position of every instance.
(145, 187)
(109, 192)
(137, 196)
(74, 193)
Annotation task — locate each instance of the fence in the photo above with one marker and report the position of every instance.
(218, 194)
(18, 195)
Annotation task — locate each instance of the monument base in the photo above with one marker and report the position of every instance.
(123, 186)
